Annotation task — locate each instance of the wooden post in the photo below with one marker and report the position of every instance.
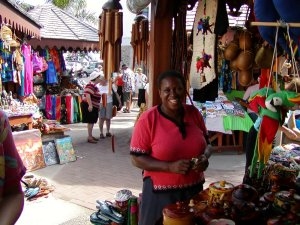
(160, 44)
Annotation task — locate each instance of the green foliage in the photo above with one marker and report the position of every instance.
(77, 8)
(63, 4)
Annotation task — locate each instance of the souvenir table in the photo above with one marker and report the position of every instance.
(223, 117)
(19, 112)
(16, 120)
(270, 200)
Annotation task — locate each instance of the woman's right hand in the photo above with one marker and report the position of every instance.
(180, 166)
(90, 108)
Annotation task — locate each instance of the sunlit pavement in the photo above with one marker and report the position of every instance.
(98, 173)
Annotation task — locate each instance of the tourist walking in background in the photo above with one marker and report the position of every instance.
(119, 83)
(128, 87)
(165, 139)
(90, 105)
(105, 112)
(11, 172)
(140, 85)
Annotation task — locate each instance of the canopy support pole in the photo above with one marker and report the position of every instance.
(275, 24)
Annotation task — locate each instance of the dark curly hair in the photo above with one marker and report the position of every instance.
(171, 73)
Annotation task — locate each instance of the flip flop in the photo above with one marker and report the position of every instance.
(107, 210)
(96, 139)
(92, 141)
(97, 219)
(31, 192)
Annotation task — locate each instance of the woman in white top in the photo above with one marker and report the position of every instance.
(105, 112)
(140, 83)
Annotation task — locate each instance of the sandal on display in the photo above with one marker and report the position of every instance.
(102, 136)
(92, 141)
(31, 192)
(97, 219)
(108, 134)
(107, 210)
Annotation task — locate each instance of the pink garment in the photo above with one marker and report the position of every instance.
(159, 137)
(48, 107)
(28, 76)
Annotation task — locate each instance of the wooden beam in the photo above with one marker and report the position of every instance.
(275, 24)
(160, 44)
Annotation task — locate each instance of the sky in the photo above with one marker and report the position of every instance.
(96, 7)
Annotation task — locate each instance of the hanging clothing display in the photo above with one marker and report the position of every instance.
(64, 108)
(51, 75)
(6, 63)
(28, 71)
(28, 77)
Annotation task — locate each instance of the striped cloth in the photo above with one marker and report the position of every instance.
(231, 122)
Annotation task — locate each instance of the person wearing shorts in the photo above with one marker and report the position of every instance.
(105, 112)
(128, 87)
(90, 105)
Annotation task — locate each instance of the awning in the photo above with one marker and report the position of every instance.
(66, 44)
(12, 15)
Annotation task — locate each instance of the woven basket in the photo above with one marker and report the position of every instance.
(5, 33)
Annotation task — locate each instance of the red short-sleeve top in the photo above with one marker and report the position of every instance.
(156, 135)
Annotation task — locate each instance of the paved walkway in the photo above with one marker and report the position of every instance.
(98, 173)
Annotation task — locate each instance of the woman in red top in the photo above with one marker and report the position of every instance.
(90, 105)
(119, 82)
(165, 140)
(11, 173)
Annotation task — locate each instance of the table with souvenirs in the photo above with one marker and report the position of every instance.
(272, 199)
(40, 142)
(224, 118)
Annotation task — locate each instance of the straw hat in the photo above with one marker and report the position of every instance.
(139, 70)
(94, 75)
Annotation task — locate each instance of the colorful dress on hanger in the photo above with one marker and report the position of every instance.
(28, 68)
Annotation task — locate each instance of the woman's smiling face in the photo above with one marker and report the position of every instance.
(172, 94)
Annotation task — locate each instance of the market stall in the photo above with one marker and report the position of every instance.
(228, 63)
(43, 71)
(30, 77)
(224, 119)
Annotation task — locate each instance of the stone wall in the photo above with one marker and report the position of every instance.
(126, 55)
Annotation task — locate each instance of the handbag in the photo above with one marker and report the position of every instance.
(114, 111)
(115, 100)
